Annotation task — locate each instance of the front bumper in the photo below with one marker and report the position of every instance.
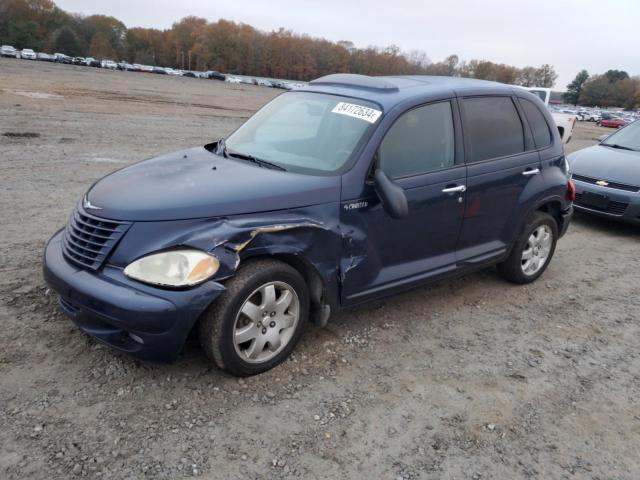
(624, 206)
(148, 323)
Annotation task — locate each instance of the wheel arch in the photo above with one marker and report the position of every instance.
(321, 293)
(551, 205)
(554, 208)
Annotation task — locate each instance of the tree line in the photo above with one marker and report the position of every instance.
(614, 88)
(196, 44)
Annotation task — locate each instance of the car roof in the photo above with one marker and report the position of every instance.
(388, 91)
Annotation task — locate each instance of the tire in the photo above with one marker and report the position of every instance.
(267, 313)
(515, 268)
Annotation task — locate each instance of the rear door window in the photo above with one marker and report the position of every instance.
(492, 128)
(539, 125)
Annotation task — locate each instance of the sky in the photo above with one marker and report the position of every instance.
(569, 34)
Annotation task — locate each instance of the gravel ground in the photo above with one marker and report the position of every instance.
(472, 378)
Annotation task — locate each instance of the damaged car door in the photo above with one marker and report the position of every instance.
(419, 154)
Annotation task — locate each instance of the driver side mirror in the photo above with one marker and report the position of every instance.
(394, 200)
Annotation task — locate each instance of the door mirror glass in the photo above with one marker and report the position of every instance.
(394, 200)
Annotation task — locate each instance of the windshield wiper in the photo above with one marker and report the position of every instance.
(226, 153)
(258, 161)
(621, 147)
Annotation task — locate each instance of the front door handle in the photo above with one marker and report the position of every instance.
(531, 171)
(460, 189)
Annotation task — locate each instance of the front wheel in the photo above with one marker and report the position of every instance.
(533, 250)
(258, 320)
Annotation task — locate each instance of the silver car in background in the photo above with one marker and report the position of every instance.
(607, 176)
(8, 51)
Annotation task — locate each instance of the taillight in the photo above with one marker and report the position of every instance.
(571, 191)
(574, 122)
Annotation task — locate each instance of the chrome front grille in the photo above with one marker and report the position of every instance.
(88, 240)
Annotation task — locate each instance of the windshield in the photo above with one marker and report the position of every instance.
(628, 137)
(306, 132)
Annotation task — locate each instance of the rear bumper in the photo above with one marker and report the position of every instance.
(148, 323)
(566, 216)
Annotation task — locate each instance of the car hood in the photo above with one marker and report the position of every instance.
(606, 163)
(196, 183)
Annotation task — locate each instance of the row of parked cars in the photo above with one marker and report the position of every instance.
(603, 118)
(29, 54)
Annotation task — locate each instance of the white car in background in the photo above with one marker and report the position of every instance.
(564, 121)
(173, 71)
(110, 64)
(28, 54)
(8, 51)
(579, 116)
(593, 117)
(582, 115)
(231, 79)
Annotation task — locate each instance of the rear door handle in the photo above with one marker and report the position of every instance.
(531, 171)
(460, 189)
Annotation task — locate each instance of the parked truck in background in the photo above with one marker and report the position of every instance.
(564, 121)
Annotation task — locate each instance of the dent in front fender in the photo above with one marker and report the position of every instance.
(237, 247)
(240, 236)
(311, 237)
(310, 234)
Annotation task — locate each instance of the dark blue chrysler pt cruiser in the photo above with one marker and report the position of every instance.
(347, 190)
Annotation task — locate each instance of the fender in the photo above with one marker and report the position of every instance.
(308, 238)
(539, 204)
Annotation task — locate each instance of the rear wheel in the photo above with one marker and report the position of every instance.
(533, 251)
(258, 320)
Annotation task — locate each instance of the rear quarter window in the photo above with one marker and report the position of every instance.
(492, 128)
(539, 126)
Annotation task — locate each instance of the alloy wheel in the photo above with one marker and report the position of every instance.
(266, 322)
(537, 249)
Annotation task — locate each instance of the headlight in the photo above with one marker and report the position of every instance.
(174, 268)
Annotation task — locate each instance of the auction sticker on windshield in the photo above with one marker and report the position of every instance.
(357, 111)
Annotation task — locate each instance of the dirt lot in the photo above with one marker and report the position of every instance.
(466, 379)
